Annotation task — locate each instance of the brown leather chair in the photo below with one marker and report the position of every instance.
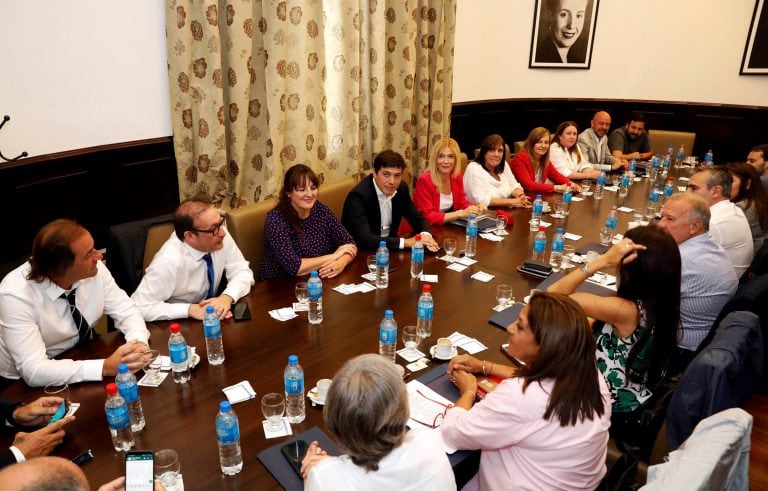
(157, 234)
(661, 139)
(246, 224)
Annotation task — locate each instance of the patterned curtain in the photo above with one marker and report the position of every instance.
(258, 85)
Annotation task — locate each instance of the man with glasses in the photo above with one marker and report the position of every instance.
(186, 273)
(50, 304)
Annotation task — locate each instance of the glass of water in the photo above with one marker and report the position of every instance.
(606, 235)
(167, 468)
(301, 292)
(586, 184)
(450, 247)
(371, 262)
(272, 407)
(410, 338)
(504, 295)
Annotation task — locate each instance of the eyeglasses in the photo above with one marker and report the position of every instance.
(439, 416)
(214, 231)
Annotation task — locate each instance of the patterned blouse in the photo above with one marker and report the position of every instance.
(321, 234)
(612, 354)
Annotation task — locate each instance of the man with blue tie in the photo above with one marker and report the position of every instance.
(185, 274)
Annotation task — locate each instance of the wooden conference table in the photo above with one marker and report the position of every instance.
(181, 417)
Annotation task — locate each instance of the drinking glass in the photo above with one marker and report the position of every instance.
(615, 180)
(301, 292)
(568, 251)
(273, 406)
(585, 185)
(450, 247)
(167, 468)
(371, 262)
(650, 214)
(410, 338)
(151, 364)
(58, 388)
(504, 295)
(559, 209)
(606, 235)
(501, 223)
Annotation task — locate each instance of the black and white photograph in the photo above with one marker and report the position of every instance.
(755, 60)
(563, 33)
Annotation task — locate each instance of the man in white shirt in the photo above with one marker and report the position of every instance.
(50, 304)
(594, 144)
(186, 272)
(727, 226)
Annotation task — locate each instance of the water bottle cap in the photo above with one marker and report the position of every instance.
(175, 328)
(538, 196)
(542, 228)
(209, 309)
(418, 237)
(122, 368)
(426, 288)
(389, 314)
(111, 389)
(559, 230)
(313, 274)
(382, 244)
(472, 216)
(293, 360)
(225, 406)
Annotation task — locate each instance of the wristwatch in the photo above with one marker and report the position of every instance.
(585, 269)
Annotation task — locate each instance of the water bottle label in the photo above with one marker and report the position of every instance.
(668, 191)
(625, 181)
(557, 246)
(425, 310)
(567, 198)
(128, 391)
(294, 386)
(118, 418)
(539, 245)
(228, 434)
(601, 180)
(654, 198)
(382, 260)
(472, 231)
(178, 352)
(212, 330)
(538, 208)
(417, 255)
(387, 336)
(611, 223)
(315, 290)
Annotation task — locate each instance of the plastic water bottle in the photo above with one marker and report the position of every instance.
(118, 420)
(388, 336)
(536, 212)
(228, 436)
(129, 391)
(470, 248)
(315, 295)
(624, 185)
(665, 166)
(655, 164)
(556, 257)
(294, 390)
(212, 330)
(670, 151)
(539, 245)
(424, 312)
(669, 188)
(632, 169)
(709, 158)
(382, 265)
(567, 198)
(417, 258)
(680, 157)
(177, 347)
(612, 221)
(653, 203)
(600, 185)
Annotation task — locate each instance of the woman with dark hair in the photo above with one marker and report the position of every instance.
(749, 195)
(637, 329)
(301, 234)
(565, 154)
(366, 410)
(533, 169)
(545, 426)
(488, 181)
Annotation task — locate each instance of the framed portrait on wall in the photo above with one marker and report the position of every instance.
(563, 33)
(755, 60)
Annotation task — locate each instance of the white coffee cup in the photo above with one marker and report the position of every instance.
(322, 388)
(443, 349)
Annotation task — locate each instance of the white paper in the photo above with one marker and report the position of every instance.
(482, 276)
(625, 209)
(422, 409)
(577, 198)
(683, 178)
(544, 224)
(448, 259)
(161, 376)
(682, 188)
(284, 314)
(239, 392)
(470, 345)
(466, 261)
(284, 430)
(300, 307)
(369, 276)
(491, 236)
(457, 267)
(410, 355)
(429, 278)
(571, 236)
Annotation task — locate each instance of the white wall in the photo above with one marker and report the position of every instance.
(81, 73)
(667, 50)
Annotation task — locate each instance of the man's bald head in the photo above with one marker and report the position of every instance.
(601, 123)
(43, 474)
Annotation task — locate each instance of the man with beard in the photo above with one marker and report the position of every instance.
(631, 141)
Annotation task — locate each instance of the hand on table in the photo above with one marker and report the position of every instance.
(314, 455)
(331, 269)
(466, 363)
(43, 441)
(37, 412)
(222, 305)
(131, 353)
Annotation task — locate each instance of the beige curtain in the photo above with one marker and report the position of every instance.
(257, 86)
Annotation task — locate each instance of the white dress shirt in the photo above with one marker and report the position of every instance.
(385, 209)
(729, 227)
(566, 162)
(177, 277)
(480, 186)
(36, 325)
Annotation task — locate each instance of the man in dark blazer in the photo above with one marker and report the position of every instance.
(36, 443)
(374, 209)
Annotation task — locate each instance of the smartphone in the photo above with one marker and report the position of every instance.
(61, 411)
(139, 470)
(295, 452)
(241, 311)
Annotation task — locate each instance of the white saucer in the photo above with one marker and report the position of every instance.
(313, 396)
(433, 352)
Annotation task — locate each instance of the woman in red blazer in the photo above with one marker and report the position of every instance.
(534, 173)
(439, 193)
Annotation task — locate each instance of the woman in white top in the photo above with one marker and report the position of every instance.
(488, 181)
(565, 154)
(366, 410)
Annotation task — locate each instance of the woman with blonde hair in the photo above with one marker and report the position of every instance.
(533, 169)
(439, 193)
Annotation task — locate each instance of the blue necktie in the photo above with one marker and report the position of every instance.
(84, 330)
(211, 277)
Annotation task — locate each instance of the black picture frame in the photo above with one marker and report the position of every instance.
(755, 59)
(544, 49)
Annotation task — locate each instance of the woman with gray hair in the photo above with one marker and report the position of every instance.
(366, 410)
